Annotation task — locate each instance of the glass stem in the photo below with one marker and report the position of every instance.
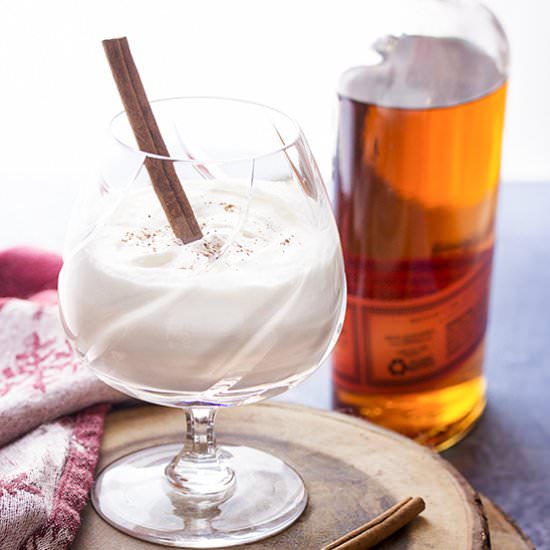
(200, 438)
(198, 470)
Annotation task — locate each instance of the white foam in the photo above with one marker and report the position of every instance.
(256, 301)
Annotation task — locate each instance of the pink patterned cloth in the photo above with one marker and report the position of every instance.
(49, 439)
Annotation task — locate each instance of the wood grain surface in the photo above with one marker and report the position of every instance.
(505, 534)
(353, 471)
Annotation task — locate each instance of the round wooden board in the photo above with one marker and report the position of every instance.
(353, 471)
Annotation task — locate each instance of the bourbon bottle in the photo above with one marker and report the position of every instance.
(416, 176)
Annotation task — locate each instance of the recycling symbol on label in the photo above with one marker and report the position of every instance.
(398, 367)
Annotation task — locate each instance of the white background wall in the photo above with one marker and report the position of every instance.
(57, 94)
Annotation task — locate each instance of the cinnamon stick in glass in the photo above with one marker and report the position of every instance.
(163, 175)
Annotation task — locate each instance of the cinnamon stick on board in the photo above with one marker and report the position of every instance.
(381, 527)
(163, 175)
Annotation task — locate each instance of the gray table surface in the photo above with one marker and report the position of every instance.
(507, 455)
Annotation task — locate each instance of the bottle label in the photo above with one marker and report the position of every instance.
(400, 343)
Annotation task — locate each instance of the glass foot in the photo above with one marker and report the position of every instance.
(134, 495)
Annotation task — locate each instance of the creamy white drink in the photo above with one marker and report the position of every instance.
(253, 304)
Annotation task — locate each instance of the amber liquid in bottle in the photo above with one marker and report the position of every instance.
(416, 173)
